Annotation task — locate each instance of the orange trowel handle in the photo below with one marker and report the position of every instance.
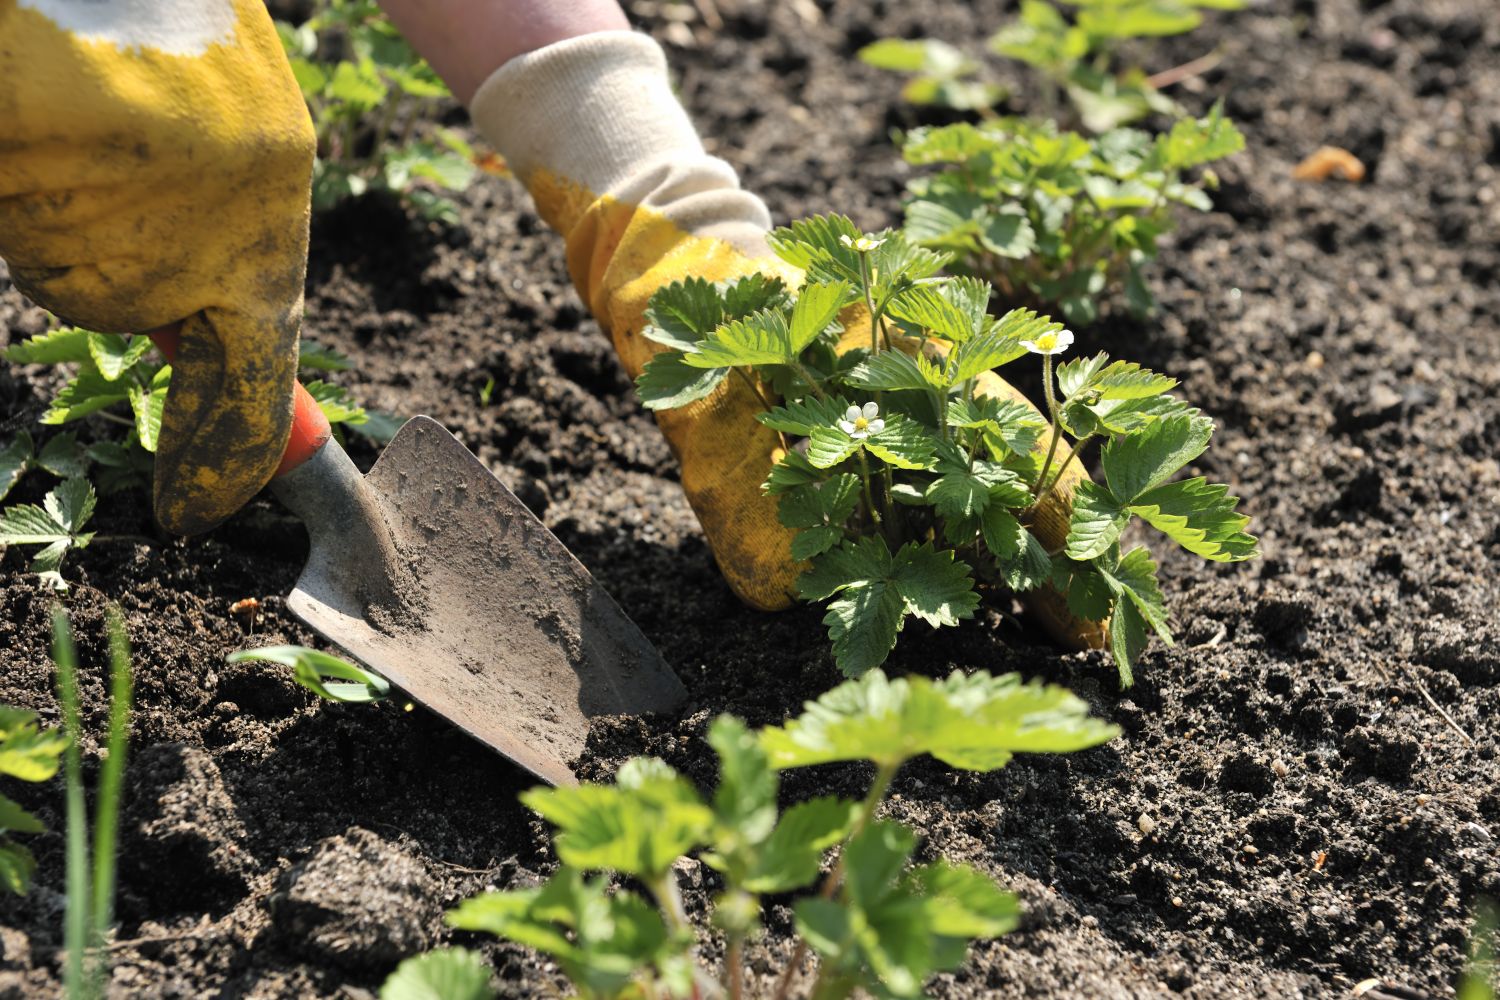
(310, 430)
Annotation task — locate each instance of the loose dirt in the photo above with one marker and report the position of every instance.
(1313, 821)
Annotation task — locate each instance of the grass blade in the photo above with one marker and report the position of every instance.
(76, 920)
(111, 777)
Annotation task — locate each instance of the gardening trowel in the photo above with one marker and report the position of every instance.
(431, 573)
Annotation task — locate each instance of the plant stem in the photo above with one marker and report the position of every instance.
(864, 478)
(812, 383)
(76, 913)
(735, 961)
(755, 388)
(864, 280)
(835, 876)
(1077, 447)
(111, 776)
(1056, 422)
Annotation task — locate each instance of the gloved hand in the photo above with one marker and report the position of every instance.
(591, 127)
(155, 164)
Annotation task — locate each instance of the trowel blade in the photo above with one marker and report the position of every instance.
(494, 624)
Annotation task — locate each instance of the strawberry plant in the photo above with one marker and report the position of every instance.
(1053, 217)
(1075, 55)
(911, 477)
(878, 923)
(369, 94)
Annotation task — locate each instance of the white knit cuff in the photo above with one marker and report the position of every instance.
(598, 110)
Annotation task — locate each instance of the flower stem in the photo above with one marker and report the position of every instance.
(1056, 421)
(764, 401)
(864, 478)
(835, 876)
(1077, 447)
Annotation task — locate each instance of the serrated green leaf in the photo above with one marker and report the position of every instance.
(1007, 233)
(932, 308)
(890, 371)
(817, 306)
(745, 801)
(819, 505)
(668, 382)
(683, 313)
(1200, 517)
(14, 459)
(1001, 344)
(337, 405)
(1022, 559)
(792, 855)
(310, 667)
(935, 585)
(1128, 380)
(1194, 142)
(444, 974)
(1077, 375)
(828, 446)
(28, 752)
(903, 443)
(87, 392)
(855, 563)
(638, 826)
(863, 623)
(1133, 580)
(602, 940)
(974, 722)
(800, 416)
(147, 406)
(963, 902)
(815, 245)
(114, 354)
(313, 356)
(1096, 524)
(792, 470)
(66, 343)
(761, 339)
(62, 456)
(1150, 456)
(1089, 595)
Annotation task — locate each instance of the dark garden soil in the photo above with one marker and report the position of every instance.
(1285, 814)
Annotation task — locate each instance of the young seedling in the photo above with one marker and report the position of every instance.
(91, 888)
(1056, 218)
(911, 475)
(368, 93)
(1075, 56)
(878, 923)
(313, 669)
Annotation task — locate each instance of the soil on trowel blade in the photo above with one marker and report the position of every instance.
(1285, 814)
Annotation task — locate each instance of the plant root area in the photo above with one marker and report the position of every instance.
(1305, 795)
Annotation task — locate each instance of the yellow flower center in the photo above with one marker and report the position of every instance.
(860, 423)
(1047, 341)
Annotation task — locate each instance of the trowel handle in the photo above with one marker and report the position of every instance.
(310, 430)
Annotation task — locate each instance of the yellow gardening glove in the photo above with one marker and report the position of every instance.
(155, 163)
(592, 128)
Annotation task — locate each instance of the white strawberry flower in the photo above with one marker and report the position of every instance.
(862, 244)
(859, 423)
(1051, 342)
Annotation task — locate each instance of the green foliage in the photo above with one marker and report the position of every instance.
(1055, 217)
(445, 974)
(29, 754)
(1073, 54)
(880, 924)
(1478, 981)
(120, 381)
(911, 490)
(940, 74)
(311, 667)
(57, 526)
(369, 94)
(91, 886)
